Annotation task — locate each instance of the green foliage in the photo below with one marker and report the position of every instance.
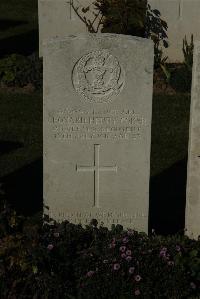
(181, 77)
(166, 72)
(52, 260)
(188, 52)
(132, 17)
(123, 16)
(156, 29)
(135, 18)
(11, 68)
(19, 70)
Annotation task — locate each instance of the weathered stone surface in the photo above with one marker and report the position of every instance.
(58, 19)
(97, 128)
(193, 181)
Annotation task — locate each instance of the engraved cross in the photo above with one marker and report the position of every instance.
(96, 169)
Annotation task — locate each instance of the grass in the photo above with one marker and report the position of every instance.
(20, 130)
(17, 17)
(18, 26)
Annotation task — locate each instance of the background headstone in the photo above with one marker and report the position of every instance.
(56, 18)
(97, 128)
(193, 181)
(182, 17)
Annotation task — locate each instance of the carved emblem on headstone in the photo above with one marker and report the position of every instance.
(98, 77)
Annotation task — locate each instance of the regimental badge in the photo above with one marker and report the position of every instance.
(98, 77)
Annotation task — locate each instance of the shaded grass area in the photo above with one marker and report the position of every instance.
(21, 156)
(20, 130)
(18, 26)
(21, 150)
(19, 112)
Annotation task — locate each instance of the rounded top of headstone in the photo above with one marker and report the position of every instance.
(100, 36)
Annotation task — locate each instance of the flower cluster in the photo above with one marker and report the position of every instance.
(98, 263)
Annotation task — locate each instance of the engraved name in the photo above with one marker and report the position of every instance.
(69, 124)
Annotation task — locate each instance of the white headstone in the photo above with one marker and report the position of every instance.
(182, 17)
(193, 180)
(57, 18)
(97, 129)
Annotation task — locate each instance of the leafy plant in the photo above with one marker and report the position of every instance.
(133, 17)
(93, 23)
(19, 70)
(11, 69)
(188, 52)
(166, 72)
(156, 29)
(123, 16)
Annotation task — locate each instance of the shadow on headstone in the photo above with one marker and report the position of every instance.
(24, 188)
(24, 44)
(9, 146)
(167, 200)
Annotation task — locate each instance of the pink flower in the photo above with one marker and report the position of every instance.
(50, 247)
(116, 267)
(112, 245)
(163, 252)
(131, 270)
(138, 278)
(164, 249)
(130, 232)
(122, 248)
(125, 240)
(178, 248)
(128, 258)
(123, 255)
(137, 292)
(89, 273)
(128, 252)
